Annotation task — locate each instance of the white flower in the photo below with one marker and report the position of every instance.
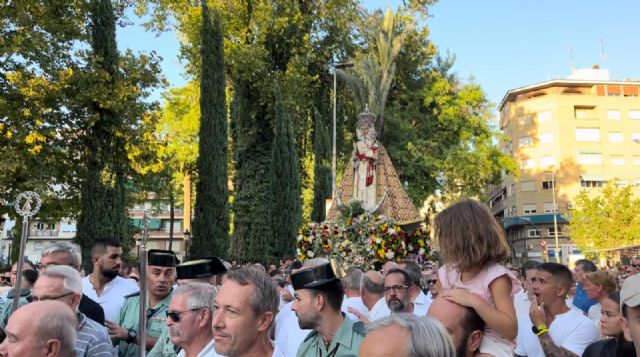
(392, 231)
(389, 255)
(421, 251)
(310, 254)
(298, 251)
(410, 246)
(379, 240)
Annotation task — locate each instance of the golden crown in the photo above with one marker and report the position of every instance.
(366, 119)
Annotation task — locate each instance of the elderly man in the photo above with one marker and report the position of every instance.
(630, 308)
(353, 300)
(189, 320)
(41, 329)
(64, 284)
(245, 308)
(29, 277)
(407, 335)
(65, 253)
(204, 271)
(161, 274)
(318, 298)
(463, 324)
(103, 285)
(396, 290)
(556, 329)
(635, 265)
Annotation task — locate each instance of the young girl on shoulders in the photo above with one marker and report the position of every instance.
(472, 246)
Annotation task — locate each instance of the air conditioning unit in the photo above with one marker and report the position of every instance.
(571, 205)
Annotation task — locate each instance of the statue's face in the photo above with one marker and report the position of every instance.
(366, 133)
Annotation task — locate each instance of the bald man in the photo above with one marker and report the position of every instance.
(463, 324)
(41, 329)
(372, 293)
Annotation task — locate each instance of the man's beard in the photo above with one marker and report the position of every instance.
(108, 273)
(396, 305)
(307, 324)
(461, 350)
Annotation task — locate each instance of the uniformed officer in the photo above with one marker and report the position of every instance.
(161, 274)
(318, 299)
(199, 270)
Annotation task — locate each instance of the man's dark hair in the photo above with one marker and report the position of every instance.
(296, 264)
(30, 276)
(413, 269)
(529, 265)
(472, 321)
(407, 278)
(99, 247)
(560, 272)
(587, 265)
(333, 293)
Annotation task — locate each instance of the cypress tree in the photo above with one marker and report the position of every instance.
(103, 193)
(211, 218)
(321, 169)
(286, 215)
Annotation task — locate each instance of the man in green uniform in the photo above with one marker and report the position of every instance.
(318, 298)
(199, 270)
(161, 273)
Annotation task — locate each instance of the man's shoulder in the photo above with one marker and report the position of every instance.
(310, 337)
(359, 328)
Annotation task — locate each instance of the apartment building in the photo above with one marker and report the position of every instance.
(567, 135)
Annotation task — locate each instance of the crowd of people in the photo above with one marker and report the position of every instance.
(467, 304)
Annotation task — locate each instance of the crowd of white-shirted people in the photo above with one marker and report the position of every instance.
(469, 303)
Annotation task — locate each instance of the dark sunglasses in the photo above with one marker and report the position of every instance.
(175, 315)
(431, 281)
(635, 265)
(32, 298)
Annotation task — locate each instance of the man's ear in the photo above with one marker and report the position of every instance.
(206, 317)
(265, 321)
(625, 330)
(319, 302)
(52, 348)
(474, 340)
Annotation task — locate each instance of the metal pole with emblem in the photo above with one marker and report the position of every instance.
(27, 205)
(142, 256)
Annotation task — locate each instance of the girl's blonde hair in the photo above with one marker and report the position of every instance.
(469, 236)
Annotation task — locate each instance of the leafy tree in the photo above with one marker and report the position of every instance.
(286, 214)
(322, 169)
(610, 219)
(211, 221)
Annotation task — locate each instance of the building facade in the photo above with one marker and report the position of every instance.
(567, 136)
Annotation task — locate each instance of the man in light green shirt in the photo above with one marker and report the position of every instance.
(318, 299)
(161, 273)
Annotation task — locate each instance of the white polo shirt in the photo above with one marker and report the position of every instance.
(356, 303)
(112, 296)
(421, 304)
(379, 310)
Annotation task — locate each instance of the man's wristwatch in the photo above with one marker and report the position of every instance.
(539, 329)
(131, 336)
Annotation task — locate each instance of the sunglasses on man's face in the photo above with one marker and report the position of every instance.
(175, 315)
(635, 265)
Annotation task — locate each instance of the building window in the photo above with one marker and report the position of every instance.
(617, 160)
(588, 134)
(590, 158)
(635, 137)
(615, 137)
(547, 161)
(529, 209)
(525, 141)
(546, 138)
(582, 112)
(592, 183)
(527, 164)
(527, 186)
(548, 184)
(533, 233)
(544, 116)
(552, 231)
(51, 226)
(634, 114)
(39, 226)
(613, 114)
(548, 207)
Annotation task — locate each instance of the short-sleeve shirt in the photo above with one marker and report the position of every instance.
(480, 285)
(572, 331)
(346, 342)
(129, 319)
(93, 339)
(112, 296)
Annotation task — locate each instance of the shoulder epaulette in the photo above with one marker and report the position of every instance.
(359, 328)
(310, 335)
(132, 295)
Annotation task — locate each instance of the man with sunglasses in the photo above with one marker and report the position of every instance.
(64, 284)
(161, 274)
(189, 320)
(635, 265)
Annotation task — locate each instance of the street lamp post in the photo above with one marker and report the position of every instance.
(332, 68)
(555, 212)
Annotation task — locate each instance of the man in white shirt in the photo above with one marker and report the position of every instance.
(351, 284)
(372, 293)
(420, 301)
(189, 320)
(521, 300)
(103, 285)
(556, 329)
